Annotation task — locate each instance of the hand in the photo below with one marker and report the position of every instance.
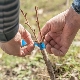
(60, 31)
(13, 47)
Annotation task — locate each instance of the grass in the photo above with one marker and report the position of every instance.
(27, 68)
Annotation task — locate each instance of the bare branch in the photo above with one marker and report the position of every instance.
(36, 9)
(27, 22)
(44, 53)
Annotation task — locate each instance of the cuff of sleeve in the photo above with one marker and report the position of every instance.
(76, 8)
(4, 37)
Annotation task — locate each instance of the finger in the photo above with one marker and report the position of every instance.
(64, 50)
(45, 42)
(22, 53)
(44, 30)
(27, 37)
(52, 43)
(25, 34)
(30, 42)
(57, 46)
(48, 37)
(56, 38)
(58, 52)
(48, 48)
(53, 34)
(30, 45)
(27, 49)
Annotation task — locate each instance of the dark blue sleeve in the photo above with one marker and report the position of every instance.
(76, 6)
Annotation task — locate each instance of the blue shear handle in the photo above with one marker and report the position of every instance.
(23, 43)
(40, 45)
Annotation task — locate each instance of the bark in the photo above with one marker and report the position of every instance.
(48, 64)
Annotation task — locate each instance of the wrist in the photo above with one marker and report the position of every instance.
(73, 17)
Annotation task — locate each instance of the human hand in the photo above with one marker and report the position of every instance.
(13, 47)
(60, 31)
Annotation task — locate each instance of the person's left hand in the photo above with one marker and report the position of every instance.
(13, 47)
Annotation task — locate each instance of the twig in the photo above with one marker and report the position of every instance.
(36, 9)
(27, 22)
(44, 53)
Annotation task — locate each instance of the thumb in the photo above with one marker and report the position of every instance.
(46, 28)
(27, 37)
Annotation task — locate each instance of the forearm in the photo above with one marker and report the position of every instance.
(9, 19)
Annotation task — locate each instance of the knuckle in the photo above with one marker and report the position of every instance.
(48, 23)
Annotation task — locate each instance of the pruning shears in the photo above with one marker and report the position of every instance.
(40, 45)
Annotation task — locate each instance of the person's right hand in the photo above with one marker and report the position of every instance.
(60, 31)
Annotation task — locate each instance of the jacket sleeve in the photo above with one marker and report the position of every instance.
(9, 19)
(76, 6)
